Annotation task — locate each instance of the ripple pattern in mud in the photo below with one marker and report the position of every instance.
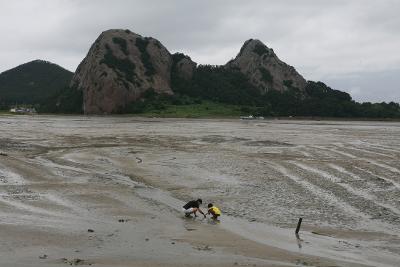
(337, 174)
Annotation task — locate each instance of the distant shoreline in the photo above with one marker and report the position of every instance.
(164, 116)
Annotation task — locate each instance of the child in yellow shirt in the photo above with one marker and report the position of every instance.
(214, 211)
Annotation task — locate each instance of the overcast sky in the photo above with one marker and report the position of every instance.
(351, 45)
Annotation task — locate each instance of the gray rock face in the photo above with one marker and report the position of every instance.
(119, 67)
(264, 69)
(183, 66)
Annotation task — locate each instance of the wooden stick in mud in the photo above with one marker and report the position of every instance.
(298, 225)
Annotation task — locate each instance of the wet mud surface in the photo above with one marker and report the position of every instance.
(127, 178)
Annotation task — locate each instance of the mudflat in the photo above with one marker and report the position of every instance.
(108, 191)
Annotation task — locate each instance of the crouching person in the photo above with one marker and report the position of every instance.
(214, 211)
(192, 207)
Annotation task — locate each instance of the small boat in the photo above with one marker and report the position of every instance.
(251, 117)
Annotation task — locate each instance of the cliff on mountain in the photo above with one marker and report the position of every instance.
(264, 69)
(119, 67)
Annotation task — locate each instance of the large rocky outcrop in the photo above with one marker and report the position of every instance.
(119, 67)
(264, 69)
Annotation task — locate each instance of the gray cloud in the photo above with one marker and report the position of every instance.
(324, 40)
(369, 87)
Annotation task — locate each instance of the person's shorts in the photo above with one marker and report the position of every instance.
(187, 211)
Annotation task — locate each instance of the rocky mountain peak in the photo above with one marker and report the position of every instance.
(119, 67)
(264, 69)
(254, 46)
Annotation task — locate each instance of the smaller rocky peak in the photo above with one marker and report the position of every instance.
(182, 66)
(264, 69)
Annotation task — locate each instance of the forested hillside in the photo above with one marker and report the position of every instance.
(32, 82)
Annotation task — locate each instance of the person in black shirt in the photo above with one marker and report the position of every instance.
(193, 207)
